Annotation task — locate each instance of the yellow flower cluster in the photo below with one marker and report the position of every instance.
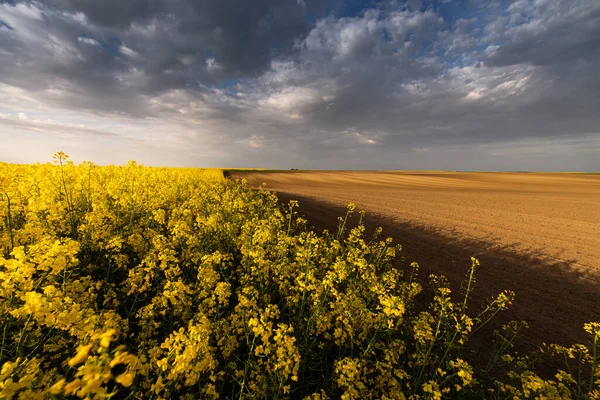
(177, 283)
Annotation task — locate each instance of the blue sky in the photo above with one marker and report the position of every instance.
(445, 84)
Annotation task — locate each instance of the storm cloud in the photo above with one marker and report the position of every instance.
(462, 84)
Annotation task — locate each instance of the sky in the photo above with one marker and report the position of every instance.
(336, 84)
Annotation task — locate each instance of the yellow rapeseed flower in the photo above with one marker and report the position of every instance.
(81, 356)
(125, 379)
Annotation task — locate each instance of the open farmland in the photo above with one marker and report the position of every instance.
(537, 234)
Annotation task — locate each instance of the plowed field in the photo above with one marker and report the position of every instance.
(537, 234)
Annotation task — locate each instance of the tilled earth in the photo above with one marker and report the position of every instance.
(537, 234)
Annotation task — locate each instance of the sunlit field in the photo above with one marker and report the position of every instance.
(142, 282)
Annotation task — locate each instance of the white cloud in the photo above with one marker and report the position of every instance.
(89, 41)
(292, 100)
(128, 52)
(212, 65)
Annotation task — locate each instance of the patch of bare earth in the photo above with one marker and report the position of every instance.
(537, 234)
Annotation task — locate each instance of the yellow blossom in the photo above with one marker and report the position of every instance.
(81, 356)
(125, 379)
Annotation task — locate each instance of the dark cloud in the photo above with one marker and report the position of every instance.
(242, 36)
(166, 44)
(546, 33)
(114, 13)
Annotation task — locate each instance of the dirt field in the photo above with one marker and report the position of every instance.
(537, 234)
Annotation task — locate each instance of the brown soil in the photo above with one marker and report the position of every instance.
(537, 234)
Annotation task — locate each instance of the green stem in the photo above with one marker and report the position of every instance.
(243, 385)
(6, 324)
(437, 331)
(579, 368)
(464, 306)
(594, 364)
(448, 347)
(484, 323)
(441, 384)
(342, 226)
(503, 347)
(23, 335)
(69, 200)
(366, 352)
(42, 341)
(9, 221)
